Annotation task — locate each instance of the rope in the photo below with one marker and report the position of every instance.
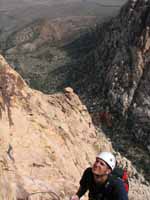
(51, 193)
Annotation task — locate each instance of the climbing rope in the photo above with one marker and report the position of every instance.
(49, 192)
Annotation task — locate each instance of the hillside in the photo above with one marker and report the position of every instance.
(40, 35)
(39, 51)
(47, 141)
(107, 66)
(116, 72)
(37, 34)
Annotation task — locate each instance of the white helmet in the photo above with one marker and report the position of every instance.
(109, 158)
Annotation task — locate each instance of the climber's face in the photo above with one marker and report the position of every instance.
(100, 168)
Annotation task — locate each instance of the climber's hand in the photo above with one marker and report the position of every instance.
(74, 197)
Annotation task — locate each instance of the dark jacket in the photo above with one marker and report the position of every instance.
(113, 189)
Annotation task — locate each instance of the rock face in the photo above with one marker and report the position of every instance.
(116, 69)
(45, 141)
(128, 73)
(119, 70)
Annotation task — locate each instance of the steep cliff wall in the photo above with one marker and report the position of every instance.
(118, 70)
(45, 141)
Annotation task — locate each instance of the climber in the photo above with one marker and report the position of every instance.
(99, 182)
(106, 117)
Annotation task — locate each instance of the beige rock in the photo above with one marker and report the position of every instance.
(68, 89)
(48, 143)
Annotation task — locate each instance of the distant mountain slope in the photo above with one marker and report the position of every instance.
(14, 14)
(69, 18)
(40, 53)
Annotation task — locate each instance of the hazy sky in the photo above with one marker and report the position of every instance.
(5, 4)
(14, 12)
